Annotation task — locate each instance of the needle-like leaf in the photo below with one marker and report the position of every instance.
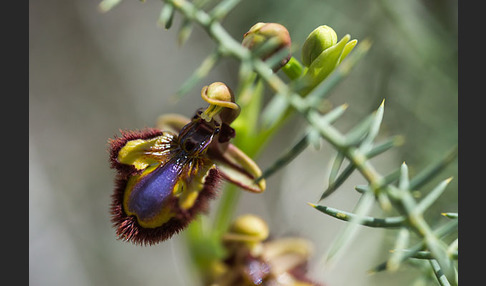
(166, 16)
(201, 72)
(401, 243)
(389, 222)
(336, 165)
(431, 171)
(346, 235)
(288, 156)
(223, 8)
(107, 5)
(432, 196)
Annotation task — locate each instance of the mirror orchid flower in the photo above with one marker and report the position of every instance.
(166, 175)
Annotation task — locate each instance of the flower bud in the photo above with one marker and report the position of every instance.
(261, 33)
(322, 38)
(322, 53)
(249, 228)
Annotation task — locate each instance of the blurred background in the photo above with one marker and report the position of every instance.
(92, 74)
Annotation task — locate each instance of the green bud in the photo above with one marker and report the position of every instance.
(322, 53)
(322, 38)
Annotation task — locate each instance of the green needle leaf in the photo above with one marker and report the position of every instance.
(336, 165)
(345, 237)
(432, 196)
(201, 72)
(389, 222)
(404, 182)
(377, 150)
(222, 9)
(430, 172)
(438, 273)
(401, 243)
(451, 215)
(166, 16)
(288, 156)
(357, 134)
(184, 32)
(107, 5)
(374, 128)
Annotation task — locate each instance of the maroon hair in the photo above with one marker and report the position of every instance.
(118, 143)
(128, 228)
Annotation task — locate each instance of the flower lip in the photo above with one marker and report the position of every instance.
(152, 204)
(128, 228)
(153, 192)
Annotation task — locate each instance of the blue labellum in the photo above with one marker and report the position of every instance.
(151, 192)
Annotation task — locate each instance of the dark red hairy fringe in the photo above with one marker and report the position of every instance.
(128, 229)
(117, 143)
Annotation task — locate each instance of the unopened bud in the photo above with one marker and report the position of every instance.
(261, 33)
(322, 54)
(322, 38)
(250, 228)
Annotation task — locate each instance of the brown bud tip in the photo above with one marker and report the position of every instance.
(261, 32)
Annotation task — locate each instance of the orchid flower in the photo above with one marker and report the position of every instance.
(166, 175)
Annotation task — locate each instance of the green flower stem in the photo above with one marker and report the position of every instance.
(231, 193)
(293, 69)
(250, 98)
(227, 205)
